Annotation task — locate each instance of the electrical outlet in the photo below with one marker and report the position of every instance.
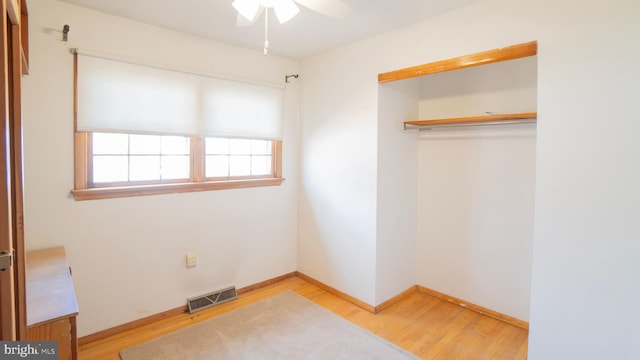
(191, 260)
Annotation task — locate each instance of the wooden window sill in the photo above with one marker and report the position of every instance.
(158, 189)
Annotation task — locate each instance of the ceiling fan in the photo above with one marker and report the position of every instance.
(250, 10)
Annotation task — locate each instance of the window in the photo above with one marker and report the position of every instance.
(227, 158)
(119, 165)
(130, 158)
(142, 130)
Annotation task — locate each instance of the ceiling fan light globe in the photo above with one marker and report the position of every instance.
(285, 10)
(247, 8)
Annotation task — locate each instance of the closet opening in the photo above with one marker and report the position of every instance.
(465, 130)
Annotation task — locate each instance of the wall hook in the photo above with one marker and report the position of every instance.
(65, 33)
(287, 77)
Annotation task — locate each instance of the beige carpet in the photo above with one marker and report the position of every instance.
(286, 326)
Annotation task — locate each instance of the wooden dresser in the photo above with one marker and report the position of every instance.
(51, 301)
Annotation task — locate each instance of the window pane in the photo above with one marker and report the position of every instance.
(175, 145)
(110, 168)
(110, 144)
(165, 157)
(144, 168)
(144, 144)
(217, 166)
(260, 165)
(239, 165)
(216, 146)
(239, 147)
(260, 147)
(175, 167)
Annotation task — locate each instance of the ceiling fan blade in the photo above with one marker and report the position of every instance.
(285, 10)
(247, 8)
(242, 21)
(333, 8)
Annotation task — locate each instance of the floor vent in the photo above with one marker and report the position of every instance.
(208, 300)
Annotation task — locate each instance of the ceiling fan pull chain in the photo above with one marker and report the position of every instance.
(266, 31)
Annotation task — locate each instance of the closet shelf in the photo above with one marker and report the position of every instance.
(474, 120)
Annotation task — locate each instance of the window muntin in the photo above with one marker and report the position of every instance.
(130, 158)
(235, 158)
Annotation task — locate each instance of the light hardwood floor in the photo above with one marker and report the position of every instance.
(426, 326)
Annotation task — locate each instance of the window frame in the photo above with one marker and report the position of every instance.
(84, 189)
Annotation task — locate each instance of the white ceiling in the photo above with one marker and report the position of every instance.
(307, 34)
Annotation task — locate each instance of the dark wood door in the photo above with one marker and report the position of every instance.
(13, 63)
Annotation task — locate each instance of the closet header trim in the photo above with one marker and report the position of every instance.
(461, 62)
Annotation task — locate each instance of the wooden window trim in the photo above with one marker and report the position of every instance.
(83, 189)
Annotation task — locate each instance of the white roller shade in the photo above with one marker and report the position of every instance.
(118, 96)
(235, 109)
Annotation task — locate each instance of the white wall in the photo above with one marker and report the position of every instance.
(476, 188)
(585, 288)
(475, 211)
(337, 205)
(584, 291)
(128, 254)
(499, 88)
(340, 94)
(397, 186)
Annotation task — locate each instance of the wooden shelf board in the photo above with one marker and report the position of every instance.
(50, 293)
(474, 119)
(481, 58)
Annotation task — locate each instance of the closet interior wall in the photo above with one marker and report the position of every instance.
(476, 185)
